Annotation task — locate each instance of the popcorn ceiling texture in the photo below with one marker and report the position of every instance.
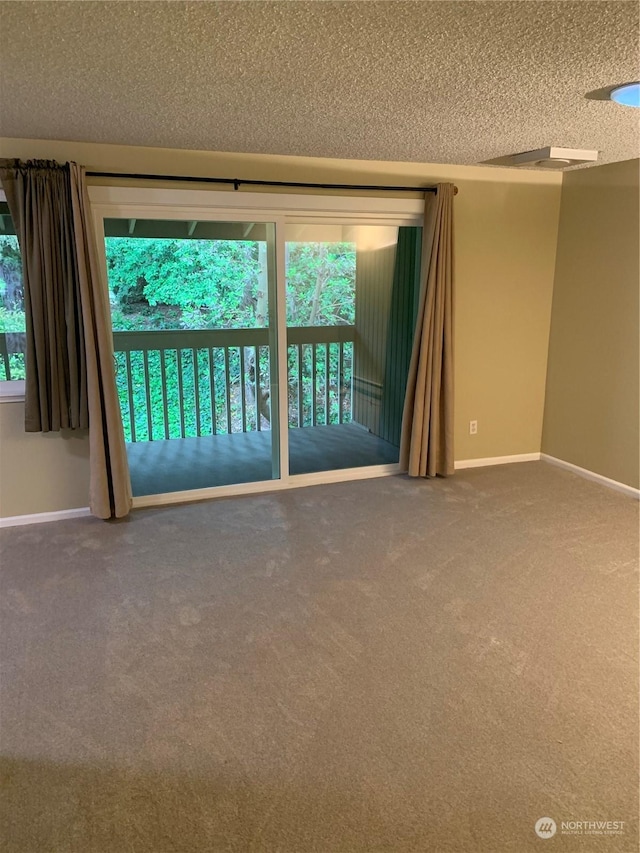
(440, 82)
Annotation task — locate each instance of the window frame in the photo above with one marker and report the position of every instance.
(110, 202)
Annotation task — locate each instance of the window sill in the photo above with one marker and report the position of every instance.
(12, 392)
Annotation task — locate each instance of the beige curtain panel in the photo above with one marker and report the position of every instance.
(70, 374)
(39, 198)
(426, 446)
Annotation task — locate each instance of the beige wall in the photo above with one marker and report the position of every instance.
(591, 410)
(40, 473)
(506, 225)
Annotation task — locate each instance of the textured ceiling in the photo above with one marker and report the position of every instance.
(439, 82)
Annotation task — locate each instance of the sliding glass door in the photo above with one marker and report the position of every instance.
(195, 338)
(351, 304)
(258, 337)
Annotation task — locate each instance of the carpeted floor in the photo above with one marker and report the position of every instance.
(384, 665)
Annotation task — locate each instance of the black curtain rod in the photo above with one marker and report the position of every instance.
(238, 182)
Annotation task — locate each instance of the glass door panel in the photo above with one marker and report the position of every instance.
(351, 303)
(195, 339)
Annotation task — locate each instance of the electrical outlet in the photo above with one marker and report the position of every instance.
(473, 427)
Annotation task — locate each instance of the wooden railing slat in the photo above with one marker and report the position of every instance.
(340, 382)
(243, 391)
(180, 393)
(326, 383)
(314, 389)
(196, 386)
(5, 357)
(147, 393)
(132, 417)
(256, 382)
(300, 389)
(212, 388)
(227, 390)
(165, 393)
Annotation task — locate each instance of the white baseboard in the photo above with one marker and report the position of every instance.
(591, 475)
(314, 479)
(43, 517)
(496, 460)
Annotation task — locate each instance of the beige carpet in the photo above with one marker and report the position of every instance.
(387, 665)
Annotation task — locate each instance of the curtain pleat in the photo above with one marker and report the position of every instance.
(426, 446)
(70, 378)
(110, 483)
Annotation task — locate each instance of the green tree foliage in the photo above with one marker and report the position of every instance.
(11, 292)
(161, 284)
(212, 284)
(11, 303)
(217, 284)
(321, 280)
(206, 284)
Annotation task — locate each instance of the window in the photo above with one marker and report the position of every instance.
(12, 318)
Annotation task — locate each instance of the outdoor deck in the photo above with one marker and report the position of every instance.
(227, 406)
(158, 467)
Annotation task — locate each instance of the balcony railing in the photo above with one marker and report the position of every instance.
(12, 348)
(181, 384)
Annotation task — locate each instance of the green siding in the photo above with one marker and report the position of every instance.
(387, 292)
(402, 321)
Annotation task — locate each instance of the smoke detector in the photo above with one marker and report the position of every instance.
(552, 157)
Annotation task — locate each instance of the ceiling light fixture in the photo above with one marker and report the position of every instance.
(627, 95)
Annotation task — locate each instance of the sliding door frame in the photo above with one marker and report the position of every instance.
(281, 209)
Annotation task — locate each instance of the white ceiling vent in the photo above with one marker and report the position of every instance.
(552, 157)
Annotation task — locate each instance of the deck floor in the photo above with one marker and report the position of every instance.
(174, 465)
